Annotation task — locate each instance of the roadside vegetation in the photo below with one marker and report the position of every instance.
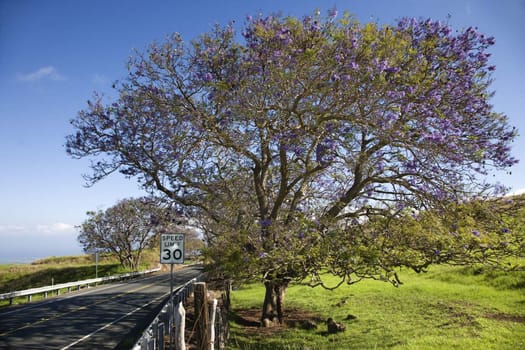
(55, 270)
(446, 308)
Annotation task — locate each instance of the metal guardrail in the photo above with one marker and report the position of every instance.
(69, 285)
(153, 336)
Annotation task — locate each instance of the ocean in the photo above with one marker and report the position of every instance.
(25, 248)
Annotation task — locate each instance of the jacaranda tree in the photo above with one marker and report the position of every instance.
(126, 229)
(311, 146)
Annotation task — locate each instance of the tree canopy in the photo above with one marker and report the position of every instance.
(310, 145)
(126, 229)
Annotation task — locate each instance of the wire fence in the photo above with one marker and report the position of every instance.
(170, 331)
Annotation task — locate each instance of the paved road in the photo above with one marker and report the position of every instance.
(110, 316)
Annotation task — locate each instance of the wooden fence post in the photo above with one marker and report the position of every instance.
(201, 315)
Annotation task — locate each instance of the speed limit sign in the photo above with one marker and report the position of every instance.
(172, 248)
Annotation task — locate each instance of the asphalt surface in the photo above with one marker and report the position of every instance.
(110, 316)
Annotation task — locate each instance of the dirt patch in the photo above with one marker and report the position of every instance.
(457, 314)
(249, 319)
(506, 318)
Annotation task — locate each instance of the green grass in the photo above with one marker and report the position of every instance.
(55, 270)
(447, 308)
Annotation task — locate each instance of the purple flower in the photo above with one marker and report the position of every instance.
(400, 205)
(207, 77)
(332, 12)
(263, 255)
(266, 222)
(476, 233)
(392, 70)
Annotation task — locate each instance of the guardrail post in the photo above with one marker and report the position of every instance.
(160, 336)
(155, 332)
(149, 344)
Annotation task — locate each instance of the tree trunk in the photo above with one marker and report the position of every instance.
(273, 303)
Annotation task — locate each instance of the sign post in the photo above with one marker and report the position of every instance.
(171, 252)
(96, 264)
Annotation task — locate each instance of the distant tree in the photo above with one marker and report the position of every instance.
(311, 146)
(125, 229)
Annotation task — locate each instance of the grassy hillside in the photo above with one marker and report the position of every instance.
(54, 270)
(447, 308)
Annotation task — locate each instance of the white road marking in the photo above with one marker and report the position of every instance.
(113, 322)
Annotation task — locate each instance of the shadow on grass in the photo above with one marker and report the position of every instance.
(249, 320)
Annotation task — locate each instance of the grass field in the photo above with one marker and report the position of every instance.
(446, 308)
(54, 270)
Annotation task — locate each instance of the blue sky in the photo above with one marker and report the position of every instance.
(55, 54)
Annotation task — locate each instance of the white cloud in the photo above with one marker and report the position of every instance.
(48, 72)
(516, 192)
(11, 228)
(56, 228)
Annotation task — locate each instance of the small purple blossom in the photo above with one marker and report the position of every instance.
(332, 12)
(207, 77)
(315, 26)
(392, 70)
(476, 233)
(266, 222)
